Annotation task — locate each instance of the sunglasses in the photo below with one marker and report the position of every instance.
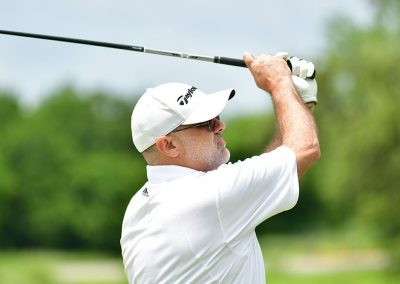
(212, 125)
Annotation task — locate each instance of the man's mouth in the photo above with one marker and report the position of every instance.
(220, 141)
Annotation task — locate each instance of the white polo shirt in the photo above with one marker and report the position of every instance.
(187, 226)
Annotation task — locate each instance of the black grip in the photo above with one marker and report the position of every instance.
(240, 63)
(229, 61)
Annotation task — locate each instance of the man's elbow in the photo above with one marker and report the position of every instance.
(307, 157)
(312, 154)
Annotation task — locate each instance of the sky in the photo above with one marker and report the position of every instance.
(32, 68)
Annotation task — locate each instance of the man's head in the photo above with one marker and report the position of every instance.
(177, 124)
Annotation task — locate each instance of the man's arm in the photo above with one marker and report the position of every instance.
(296, 127)
(277, 140)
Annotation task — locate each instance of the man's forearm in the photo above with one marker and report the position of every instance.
(277, 140)
(296, 126)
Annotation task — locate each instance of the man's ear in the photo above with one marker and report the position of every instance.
(168, 146)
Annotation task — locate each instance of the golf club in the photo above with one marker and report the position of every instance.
(214, 59)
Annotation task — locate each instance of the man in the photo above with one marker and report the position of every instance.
(194, 220)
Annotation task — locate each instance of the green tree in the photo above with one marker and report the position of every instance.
(68, 172)
(358, 175)
(9, 116)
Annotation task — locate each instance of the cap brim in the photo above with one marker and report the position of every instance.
(212, 106)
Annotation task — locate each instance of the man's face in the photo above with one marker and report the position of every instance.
(204, 146)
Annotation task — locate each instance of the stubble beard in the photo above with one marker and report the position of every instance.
(210, 157)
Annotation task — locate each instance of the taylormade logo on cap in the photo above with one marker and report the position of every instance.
(185, 99)
(163, 108)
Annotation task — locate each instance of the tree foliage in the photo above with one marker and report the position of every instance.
(67, 171)
(358, 176)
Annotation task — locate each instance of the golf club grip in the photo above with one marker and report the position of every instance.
(240, 63)
(229, 61)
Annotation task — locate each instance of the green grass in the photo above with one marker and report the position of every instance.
(52, 267)
(312, 258)
(343, 257)
(364, 277)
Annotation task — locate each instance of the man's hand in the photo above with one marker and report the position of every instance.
(307, 89)
(301, 70)
(269, 72)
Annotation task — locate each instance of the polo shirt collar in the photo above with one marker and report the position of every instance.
(159, 174)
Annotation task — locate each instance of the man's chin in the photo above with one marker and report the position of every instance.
(224, 158)
(227, 156)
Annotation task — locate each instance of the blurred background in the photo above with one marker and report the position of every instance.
(68, 167)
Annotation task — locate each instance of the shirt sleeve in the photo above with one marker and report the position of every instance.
(255, 189)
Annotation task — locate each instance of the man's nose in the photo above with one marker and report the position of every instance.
(219, 126)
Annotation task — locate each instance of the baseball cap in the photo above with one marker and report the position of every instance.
(163, 108)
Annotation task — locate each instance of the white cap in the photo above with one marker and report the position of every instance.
(163, 108)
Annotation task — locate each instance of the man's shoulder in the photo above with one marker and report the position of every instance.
(281, 153)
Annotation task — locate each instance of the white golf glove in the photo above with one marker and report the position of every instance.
(302, 71)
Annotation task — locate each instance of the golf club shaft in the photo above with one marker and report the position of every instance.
(215, 59)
